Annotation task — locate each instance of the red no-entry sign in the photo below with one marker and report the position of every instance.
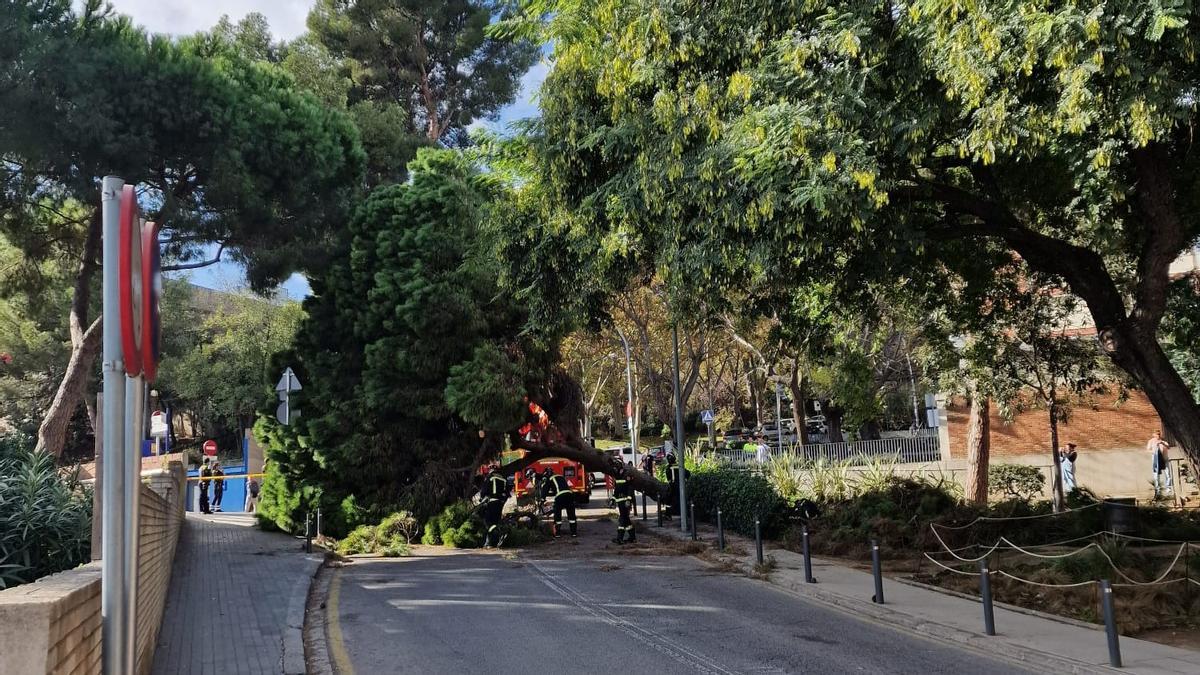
(210, 447)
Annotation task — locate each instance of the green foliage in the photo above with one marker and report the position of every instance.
(457, 526)
(896, 513)
(742, 496)
(1016, 481)
(433, 57)
(45, 514)
(407, 350)
(391, 538)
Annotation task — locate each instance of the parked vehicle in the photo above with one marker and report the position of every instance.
(577, 477)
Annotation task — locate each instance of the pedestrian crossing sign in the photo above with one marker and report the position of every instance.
(706, 417)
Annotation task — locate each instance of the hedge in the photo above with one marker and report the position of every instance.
(742, 496)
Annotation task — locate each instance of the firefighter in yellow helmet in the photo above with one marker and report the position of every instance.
(493, 493)
(623, 496)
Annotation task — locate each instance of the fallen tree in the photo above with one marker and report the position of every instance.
(576, 449)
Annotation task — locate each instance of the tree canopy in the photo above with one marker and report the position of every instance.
(759, 146)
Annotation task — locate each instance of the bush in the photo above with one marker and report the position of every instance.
(391, 537)
(457, 526)
(1016, 481)
(742, 497)
(45, 514)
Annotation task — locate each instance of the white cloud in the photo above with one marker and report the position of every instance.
(183, 17)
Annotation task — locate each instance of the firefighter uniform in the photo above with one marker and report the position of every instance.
(623, 496)
(673, 474)
(494, 493)
(557, 488)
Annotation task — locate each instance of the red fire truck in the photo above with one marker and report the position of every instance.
(575, 473)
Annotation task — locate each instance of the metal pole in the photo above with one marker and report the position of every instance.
(308, 531)
(115, 600)
(758, 539)
(808, 575)
(680, 441)
(875, 569)
(779, 415)
(1110, 624)
(985, 593)
(720, 532)
(692, 518)
(629, 393)
(134, 400)
(318, 522)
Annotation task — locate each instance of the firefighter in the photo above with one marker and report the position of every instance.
(623, 496)
(205, 479)
(494, 493)
(555, 486)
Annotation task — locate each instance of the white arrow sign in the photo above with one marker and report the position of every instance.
(288, 381)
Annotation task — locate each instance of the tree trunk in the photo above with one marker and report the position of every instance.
(575, 449)
(1143, 358)
(52, 434)
(1055, 467)
(979, 446)
(833, 420)
(755, 399)
(85, 344)
(796, 389)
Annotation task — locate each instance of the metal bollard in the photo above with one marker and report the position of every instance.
(875, 569)
(658, 509)
(692, 518)
(318, 522)
(645, 515)
(985, 593)
(308, 532)
(1110, 624)
(808, 577)
(758, 539)
(720, 532)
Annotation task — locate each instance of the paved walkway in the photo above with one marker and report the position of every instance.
(1043, 643)
(236, 603)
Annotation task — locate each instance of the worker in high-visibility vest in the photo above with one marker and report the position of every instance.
(556, 487)
(494, 494)
(623, 496)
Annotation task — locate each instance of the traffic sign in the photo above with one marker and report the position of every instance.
(288, 381)
(210, 447)
(129, 284)
(158, 424)
(706, 417)
(151, 292)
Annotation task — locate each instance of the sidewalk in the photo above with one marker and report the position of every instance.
(236, 602)
(1042, 643)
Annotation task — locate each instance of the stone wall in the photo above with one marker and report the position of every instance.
(53, 624)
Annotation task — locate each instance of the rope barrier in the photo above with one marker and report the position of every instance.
(1038, 583)
(950, 569)
(997, 519)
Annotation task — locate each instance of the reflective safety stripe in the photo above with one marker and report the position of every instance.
(564, 492)
(622, 499)
(621, 481)
(571, 520)
(492, 528)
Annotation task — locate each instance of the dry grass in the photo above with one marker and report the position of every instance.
(609, 568)
(664, 547)
(762, 570)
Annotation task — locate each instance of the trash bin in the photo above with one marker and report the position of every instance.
(1121, 515)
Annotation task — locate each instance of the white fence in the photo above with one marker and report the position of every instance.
(922, 446)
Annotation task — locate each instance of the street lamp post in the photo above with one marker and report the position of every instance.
(629, 393)
(679, 440)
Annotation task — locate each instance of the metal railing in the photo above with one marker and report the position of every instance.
(923, 446)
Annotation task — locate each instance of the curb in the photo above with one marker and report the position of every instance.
(317, 653)
(293, 634)
(979, 643)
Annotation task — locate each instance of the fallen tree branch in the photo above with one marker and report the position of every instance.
(577, 450)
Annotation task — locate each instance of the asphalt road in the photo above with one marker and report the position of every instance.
(594, 611)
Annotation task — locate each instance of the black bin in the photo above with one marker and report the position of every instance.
(1121, 515)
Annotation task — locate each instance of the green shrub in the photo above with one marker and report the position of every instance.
(391, 537)
(454, 527)
(1016, 481)
(896, 513)
(742, 497)
(360, 540)
(45, 514)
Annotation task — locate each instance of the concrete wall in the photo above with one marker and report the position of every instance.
(53, 624)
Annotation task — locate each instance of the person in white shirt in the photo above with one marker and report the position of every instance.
(1066, 462)
(1159, 464)
(764, 451)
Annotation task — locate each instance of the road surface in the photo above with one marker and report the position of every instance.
(585, 609)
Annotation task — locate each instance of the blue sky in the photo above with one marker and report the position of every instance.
(287, 17)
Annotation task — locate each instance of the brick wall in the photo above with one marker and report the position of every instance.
(1101, 424)
(53, 625)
